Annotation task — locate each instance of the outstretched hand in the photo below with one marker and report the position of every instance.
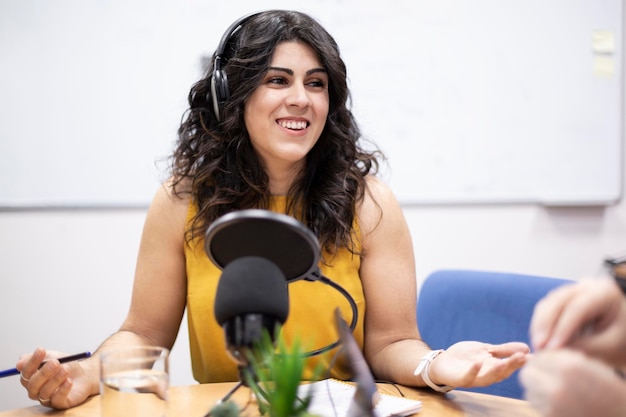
(476, 364)
(54, 385)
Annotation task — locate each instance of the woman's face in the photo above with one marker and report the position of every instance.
(287, 112)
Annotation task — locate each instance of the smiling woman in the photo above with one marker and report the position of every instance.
(269, 126)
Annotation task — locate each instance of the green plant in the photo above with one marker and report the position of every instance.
(278, 378)
(274, 375)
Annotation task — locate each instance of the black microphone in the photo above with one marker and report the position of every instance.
(251, 298)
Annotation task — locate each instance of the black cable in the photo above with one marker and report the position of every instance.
(317, 276)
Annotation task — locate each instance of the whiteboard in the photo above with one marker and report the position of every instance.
(506, 102)
(473, 102)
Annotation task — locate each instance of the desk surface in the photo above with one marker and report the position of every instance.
(195, 401)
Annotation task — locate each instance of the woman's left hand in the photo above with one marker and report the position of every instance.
(476, 364)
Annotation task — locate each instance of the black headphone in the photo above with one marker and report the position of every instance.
(219, 81)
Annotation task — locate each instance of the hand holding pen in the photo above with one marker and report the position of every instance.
(78, 356)
(55, 382)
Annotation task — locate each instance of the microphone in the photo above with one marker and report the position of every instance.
(252, 297)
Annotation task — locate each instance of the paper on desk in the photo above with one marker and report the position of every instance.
(332, 398)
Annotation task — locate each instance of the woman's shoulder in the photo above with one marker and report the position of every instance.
(378, 195)
(377, 187)
(171, 200)
(379, 202)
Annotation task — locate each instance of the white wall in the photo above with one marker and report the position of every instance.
(66, 276)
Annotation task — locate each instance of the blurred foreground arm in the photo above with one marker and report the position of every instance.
(589, 316)
(567, 383)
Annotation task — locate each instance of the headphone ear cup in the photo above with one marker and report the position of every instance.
(219, 82)
(219, 91)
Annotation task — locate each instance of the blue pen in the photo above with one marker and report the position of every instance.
(78, 356)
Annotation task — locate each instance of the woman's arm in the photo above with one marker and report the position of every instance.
(156, 310)
(393, 346)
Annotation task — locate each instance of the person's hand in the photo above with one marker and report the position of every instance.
(567, 383)
(476, 364)
(588, 316)
(54, 385)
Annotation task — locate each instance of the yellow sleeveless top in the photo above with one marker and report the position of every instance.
(311, 312)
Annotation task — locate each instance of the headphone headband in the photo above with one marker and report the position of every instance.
(220, 91)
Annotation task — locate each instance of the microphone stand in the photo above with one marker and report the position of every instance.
(231, 392)
(241, 334)
(245, 371)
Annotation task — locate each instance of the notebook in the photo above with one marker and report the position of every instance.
(334, 398)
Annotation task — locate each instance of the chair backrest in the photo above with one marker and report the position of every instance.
(490, 307)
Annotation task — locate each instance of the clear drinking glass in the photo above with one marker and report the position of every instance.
(134, 381)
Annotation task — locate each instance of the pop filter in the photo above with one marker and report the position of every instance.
(285, 241)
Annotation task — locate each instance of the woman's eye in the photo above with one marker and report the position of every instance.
(277, 80)
(317, 83)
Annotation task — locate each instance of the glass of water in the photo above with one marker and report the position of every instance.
(134, 381)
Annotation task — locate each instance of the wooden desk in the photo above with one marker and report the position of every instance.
(195, 401)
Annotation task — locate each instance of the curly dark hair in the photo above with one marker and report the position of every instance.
(218, 165)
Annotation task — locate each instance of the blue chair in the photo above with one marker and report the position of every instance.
(490, 307)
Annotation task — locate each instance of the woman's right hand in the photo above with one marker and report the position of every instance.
(55, 385)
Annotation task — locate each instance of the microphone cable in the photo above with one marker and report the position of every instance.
(317, 276)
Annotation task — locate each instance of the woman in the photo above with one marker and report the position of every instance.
(269, 127)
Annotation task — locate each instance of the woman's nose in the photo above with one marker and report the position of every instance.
(298, 96)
